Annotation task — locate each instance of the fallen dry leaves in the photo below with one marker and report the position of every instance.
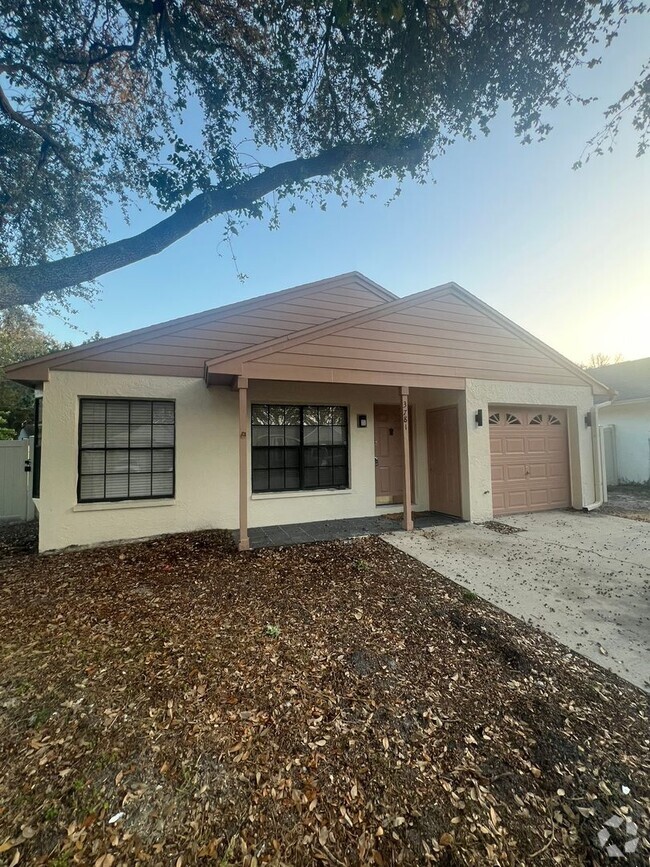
(176, 703)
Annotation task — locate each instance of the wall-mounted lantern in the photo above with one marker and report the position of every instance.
(478, 418)
(362, 421)
(588, 419)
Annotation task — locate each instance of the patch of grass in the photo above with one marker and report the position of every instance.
(225, 860)
(51, 814)
(21, 687)
(103, 760)
(468, 596)
(272, 630)
(62, 860)
(40, 717)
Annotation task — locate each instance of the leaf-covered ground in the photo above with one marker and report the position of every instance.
(174, 702)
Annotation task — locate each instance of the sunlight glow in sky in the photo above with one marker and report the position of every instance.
(563, 253)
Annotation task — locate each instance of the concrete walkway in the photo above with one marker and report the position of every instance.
(582, 578)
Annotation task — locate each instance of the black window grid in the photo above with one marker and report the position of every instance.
(128, 448)
(316, 464)
(38, 434)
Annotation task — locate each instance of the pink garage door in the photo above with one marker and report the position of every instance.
(530, 460)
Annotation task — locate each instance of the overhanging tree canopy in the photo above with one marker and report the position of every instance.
(21, 337)
(93, 94)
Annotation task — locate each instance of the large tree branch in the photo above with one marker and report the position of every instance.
(27, 284)
(7, 108)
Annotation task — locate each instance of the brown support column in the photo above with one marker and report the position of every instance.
(408, 516)
(242, 387)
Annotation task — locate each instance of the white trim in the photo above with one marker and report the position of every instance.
(624, 401)
(285, 495)
(122, 504)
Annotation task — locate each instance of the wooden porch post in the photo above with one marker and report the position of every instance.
(408, 517)
(242, 387)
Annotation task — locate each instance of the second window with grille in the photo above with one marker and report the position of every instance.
(299, 447)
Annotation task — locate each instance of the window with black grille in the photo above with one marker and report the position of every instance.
(38, 437)
(126, 449)
(299, 447)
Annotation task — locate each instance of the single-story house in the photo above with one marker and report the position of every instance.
(625, 421)
(335, 399)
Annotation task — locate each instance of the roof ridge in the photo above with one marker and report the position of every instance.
(343, 322)
(326, 327)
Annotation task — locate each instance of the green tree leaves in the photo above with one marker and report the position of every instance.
(111, 101)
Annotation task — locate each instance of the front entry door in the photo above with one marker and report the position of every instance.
(443, 447)
(389, 455)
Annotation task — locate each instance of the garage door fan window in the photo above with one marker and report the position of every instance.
(126, 450)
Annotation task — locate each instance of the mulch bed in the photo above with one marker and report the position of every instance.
(174, 702)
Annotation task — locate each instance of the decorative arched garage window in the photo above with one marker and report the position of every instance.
(504, 418)
(547, 418)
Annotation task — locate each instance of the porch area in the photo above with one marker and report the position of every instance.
(278, 536)
(322, 461)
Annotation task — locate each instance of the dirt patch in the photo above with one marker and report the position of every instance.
(388, 718)
(369, 662)
(628, 501)
(505, 529)
(399, 516)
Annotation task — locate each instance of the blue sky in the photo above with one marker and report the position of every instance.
(563, 253)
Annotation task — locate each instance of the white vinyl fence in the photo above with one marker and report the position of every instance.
(609, 444)
(15, 484)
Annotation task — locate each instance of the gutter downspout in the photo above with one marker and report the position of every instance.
(599, 481)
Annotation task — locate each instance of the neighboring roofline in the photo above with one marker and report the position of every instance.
(327, 328)
(161, 328)
(633, 379)
(619, 364)
(628, 400)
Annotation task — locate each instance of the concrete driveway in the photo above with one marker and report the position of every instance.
(582, 578)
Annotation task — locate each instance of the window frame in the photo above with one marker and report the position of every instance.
(128, 448)
(38, 443)
(300, 448)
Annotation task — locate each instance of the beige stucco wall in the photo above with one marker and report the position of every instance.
(207, 459)
(480, 394)
(201, 488)
(207, 454)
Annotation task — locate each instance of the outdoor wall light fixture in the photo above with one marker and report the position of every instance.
(478, 418)
(588, 419)
(362, 421)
